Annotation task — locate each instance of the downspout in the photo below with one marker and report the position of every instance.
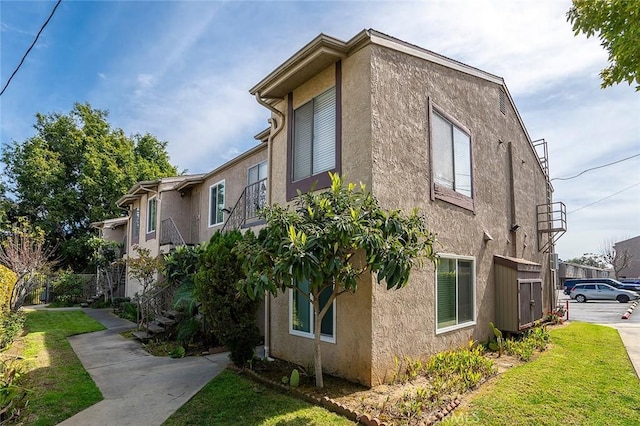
(276, 127)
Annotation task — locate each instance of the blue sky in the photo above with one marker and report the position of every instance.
(182, 71)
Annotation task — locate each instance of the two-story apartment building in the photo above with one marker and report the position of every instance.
(420, 130)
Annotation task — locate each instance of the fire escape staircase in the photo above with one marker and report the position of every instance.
(551, 216)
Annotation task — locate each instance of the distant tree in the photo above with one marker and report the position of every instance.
(589, 259)
(320, 248)
(24, 251)
(616, 258)
(71, 173)
(617, 25)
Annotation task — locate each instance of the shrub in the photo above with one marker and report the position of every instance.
(129, 311)
(11, 325)
(12, 396)
(7, 282)
(231, 314)
(68, 289)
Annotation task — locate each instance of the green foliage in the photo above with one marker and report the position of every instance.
(182, 264)
(294, 382)
(12, 396)
(330, 239)
(7, 281)
(187, 330)
(178, 352)
(617, 25)
(11, 325)
(129, 311)
(589, 259)
(72, 171)
(231, 314)
(496, 343)
(68, 289)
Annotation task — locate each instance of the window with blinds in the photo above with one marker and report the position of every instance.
(451, 147)
(314, 136)
(455, 293)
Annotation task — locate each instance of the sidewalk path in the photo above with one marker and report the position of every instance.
(138, 388)
(630, 335)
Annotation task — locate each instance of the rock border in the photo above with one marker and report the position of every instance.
(336, 407)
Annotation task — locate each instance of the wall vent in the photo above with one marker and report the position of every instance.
(503, 102)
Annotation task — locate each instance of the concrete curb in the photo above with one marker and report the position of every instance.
(627, 314)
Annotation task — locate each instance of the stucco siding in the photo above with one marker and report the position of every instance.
(402, 88)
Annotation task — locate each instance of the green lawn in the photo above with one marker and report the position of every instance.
(585, 379)
(60, 386)
(233, 400)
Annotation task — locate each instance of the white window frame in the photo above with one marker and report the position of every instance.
(152, 223)
(473, 296)
(311, 334)
(211, 206)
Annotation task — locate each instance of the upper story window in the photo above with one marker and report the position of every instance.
(314, 139)
(152, 214)
(314, 136)
(135, 226)
(455, 292)
(257, 173)
(216, 203)
(451, 160)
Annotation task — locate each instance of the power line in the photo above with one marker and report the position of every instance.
(602, 199)
(30, 47)
(598, 167)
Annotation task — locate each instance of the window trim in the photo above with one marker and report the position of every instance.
(320, 180)
(152, 232)
(457, 326)
(311, 335)
(440, 192)
(211, 225)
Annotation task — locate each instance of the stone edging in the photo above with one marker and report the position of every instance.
(336, 407)
(627, 314)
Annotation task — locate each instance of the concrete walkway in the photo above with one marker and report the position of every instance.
(630, 335)
(138, 388)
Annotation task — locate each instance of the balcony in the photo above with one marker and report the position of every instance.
(245, 213)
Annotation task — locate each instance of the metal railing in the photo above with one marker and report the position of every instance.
(169, 233)
(248, 206)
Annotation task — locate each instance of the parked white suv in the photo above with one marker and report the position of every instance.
(600, 291)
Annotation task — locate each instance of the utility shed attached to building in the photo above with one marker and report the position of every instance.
(518, 293)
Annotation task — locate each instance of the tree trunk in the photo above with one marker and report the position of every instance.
(317, 323)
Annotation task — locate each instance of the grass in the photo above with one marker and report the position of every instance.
(586, 378)
(230, 399)
(60, 387)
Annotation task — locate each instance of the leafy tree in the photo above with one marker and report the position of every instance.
(231, 314)
(71, 173)
(328, 240)
(145, 269)
(23, 250)
(107, 258)
(589, 259)
(617, 25)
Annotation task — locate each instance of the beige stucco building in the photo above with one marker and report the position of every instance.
(420, 130)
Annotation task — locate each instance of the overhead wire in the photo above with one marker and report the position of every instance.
(31, 47)
(605, 198)
(598, 167)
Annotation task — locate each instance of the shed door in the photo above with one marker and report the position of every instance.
(529, 302)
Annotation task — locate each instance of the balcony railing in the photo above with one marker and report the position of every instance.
(246, 209)
(169, 233)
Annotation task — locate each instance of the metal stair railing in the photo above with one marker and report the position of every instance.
(246, 209)
(169, 233)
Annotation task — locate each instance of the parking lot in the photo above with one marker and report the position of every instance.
(599, 311)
